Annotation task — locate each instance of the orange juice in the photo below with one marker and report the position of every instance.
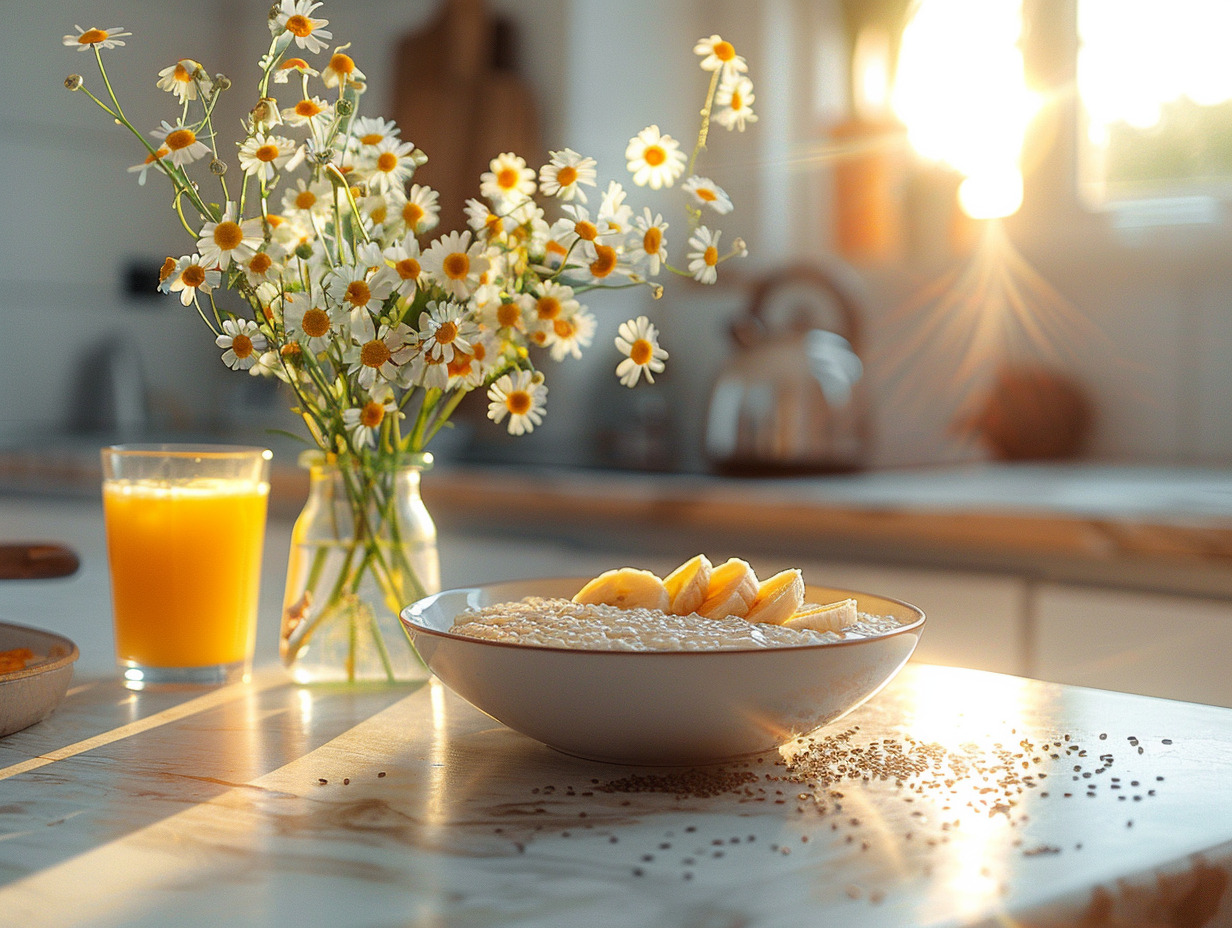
(185, 568)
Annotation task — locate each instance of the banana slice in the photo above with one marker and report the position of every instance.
(625, 588)
(688, 583)
(733, 587)
(832, 617)
(778, 598)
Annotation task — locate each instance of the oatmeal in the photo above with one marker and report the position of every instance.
(562, 623)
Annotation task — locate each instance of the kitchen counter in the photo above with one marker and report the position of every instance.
(953, 798)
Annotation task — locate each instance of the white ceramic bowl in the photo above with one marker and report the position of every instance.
(658, 707)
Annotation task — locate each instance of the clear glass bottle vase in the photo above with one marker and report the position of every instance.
(363, 547)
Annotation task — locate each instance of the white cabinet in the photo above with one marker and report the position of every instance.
(1178, 647)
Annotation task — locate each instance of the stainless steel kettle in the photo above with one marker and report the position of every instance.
(792, 397)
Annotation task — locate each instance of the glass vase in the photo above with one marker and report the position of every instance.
(362, 549)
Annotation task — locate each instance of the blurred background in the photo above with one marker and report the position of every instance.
(1072, 304)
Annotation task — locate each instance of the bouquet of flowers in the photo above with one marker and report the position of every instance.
(378, 329)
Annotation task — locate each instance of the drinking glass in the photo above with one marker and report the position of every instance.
(185, 531)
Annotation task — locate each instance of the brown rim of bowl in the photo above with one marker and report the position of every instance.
(918, 623)
(43, 666)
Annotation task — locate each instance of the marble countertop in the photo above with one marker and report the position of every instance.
(953, 798)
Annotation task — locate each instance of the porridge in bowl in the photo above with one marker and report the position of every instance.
(697, 607)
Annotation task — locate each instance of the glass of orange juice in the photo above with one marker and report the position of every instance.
(185, 532)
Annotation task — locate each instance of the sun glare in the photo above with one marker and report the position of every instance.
(961, 92)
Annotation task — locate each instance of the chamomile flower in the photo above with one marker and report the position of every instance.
(486, 224)
(702, 191)
(638, 339)
(187, 277)
(467, 370)
(404, 256)
(182, 142)
(735, 100)
(422, 209)
(381, 355)
(361, 292)
(289, 66)
(391, 166)
(96, 38)
(295, 17)
(310, 111)
(243, 342)
(313, 326)
(648, 246)
(263, 156)
(341, 71)
(150, 160)
(456, 264)
(560, 177)
(363, 423)
(508, 179)
(614, 213)
(427, 372)
(654, 159)
(718, 55)
(260, 268)
(371, 131)
(704, 257)
(521, 396)
(571, 333)
(514, 313)
(186, 79)
(445, 327)
(229, 239)
(604, 262)
(307, 199)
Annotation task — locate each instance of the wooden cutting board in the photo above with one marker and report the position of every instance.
(458, 96)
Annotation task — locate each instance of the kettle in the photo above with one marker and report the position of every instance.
(792, 398)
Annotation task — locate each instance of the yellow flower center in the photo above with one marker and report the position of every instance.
(547, 306)
(241, 345)
(267, 153)
(92, 37)
(298, 64)
(563, 328)
(641, 352)
(260, 263)
(408, 269)
(378, 214)
(413, 213)
(566, 175)
(307, 109)
(446, 333)
(737, 101)
(456, 265)
(711, 256)
(374, 353)
(724, 51)
(556, 248)
(372, 138)
(480, 352)
(586, 230)
(387, 161)
(358, 294)
(605, 261)
(460, 365)
(162, 152)
(228, 235)
(193, 276)
(507, 179)
(181, 73)
(654, 155)
(178, 139)
(372, 415)
(341, 64)
(305, 199)
(166, 270)
(652, 241)
(705, 194)
(316, 323)
(518, 402)
(291, 351)
(299, 25)
(507, 314)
